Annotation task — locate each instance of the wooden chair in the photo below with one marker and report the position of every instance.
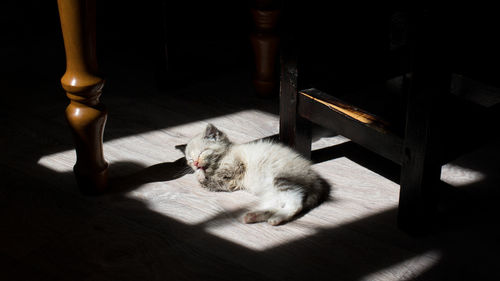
(410, 130)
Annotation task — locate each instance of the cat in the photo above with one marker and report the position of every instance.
(282, 179)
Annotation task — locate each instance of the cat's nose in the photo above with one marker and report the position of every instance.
(198, 166)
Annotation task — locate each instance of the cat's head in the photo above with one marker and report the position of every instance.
(206, 148)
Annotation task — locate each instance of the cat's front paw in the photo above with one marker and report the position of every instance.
(200, 175)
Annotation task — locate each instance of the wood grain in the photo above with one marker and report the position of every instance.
(85, 114)
(351, 111)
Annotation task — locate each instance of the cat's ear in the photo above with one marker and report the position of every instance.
(182, 148)
(212, 133)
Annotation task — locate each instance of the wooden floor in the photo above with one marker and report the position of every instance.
(158, 224)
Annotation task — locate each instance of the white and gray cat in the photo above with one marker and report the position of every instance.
(282, 179)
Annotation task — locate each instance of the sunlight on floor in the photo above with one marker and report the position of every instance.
(459, 176)
(349, 204)
(408, 269)
(357, 192)
(159, 145)
(262, 236)
(220, 213)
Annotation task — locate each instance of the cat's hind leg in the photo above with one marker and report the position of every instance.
(257, 216)
(266, 208)
(290, 204)
(277, 208)
(262, 213)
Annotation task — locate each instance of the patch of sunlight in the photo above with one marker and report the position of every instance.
(327, 141)
(459, 176)
(158, 146)
(358, 194)
(408, 269)
(220, 213)
(262, 236)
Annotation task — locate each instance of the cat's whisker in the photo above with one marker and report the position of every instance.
(184, 171)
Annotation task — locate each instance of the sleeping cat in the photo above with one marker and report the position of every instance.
(281, 178)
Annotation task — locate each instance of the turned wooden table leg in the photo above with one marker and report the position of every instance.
(265, 41)
(85, 114)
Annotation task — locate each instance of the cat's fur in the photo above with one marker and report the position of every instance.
(282, 178)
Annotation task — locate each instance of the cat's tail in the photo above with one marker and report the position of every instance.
(319, 194)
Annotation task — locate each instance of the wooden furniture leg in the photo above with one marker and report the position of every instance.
(85, 114)
(295, 131)
(265, 42)
(420, 169)
(422, 151)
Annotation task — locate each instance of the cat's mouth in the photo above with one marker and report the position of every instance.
(197, 165)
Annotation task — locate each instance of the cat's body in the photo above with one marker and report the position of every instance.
(280, 177)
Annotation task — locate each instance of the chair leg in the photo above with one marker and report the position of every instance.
(420, 177)
(422, 154)
(85, 114)
(295, 131)
(421, 161)
(264, 41)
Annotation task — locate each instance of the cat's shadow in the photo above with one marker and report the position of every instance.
(139, 175)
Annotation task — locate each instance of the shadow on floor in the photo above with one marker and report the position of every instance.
(50, 232)
(53, 234)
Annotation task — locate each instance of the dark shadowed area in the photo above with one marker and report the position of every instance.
(155, 223)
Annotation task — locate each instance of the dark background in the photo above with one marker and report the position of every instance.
(204, 39)
(207, 38)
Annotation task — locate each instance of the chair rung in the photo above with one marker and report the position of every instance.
(358, 125)
(348, 110)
